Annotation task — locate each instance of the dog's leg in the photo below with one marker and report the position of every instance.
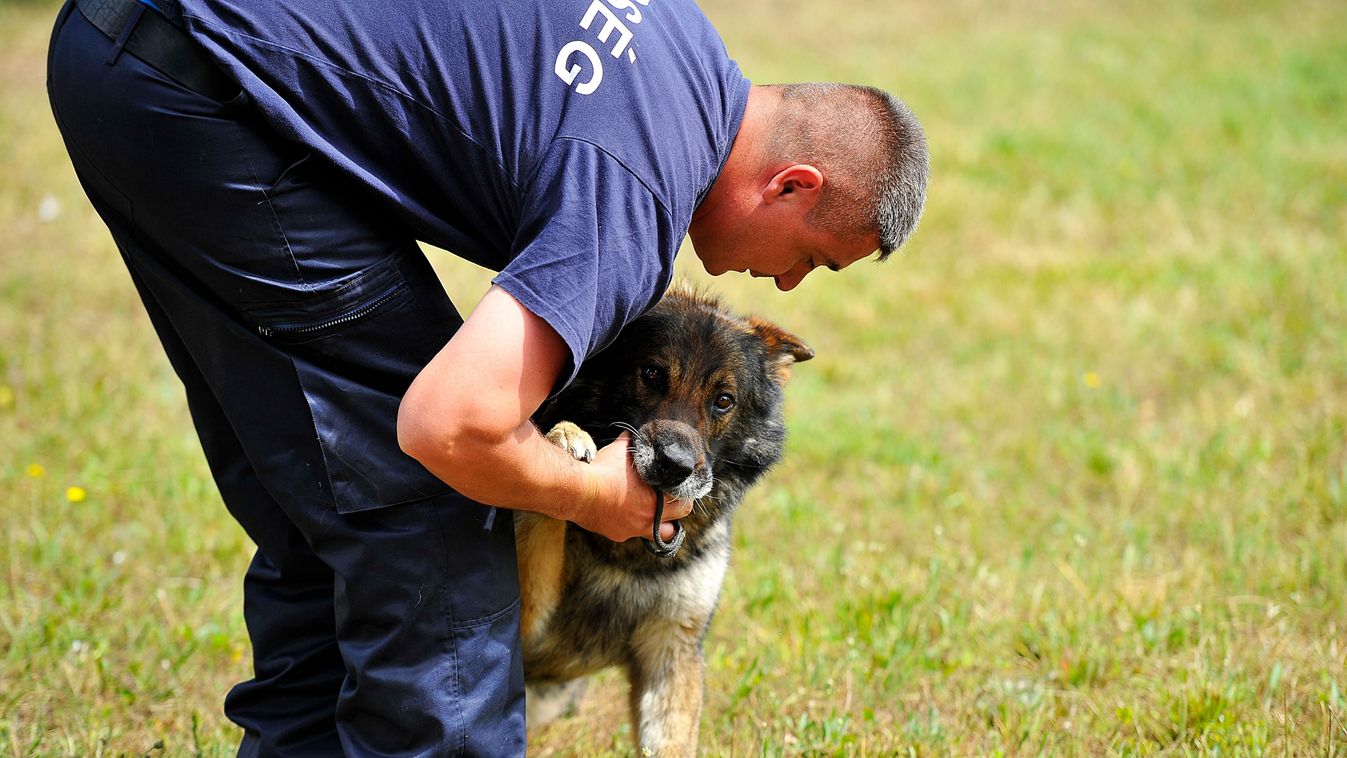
(540, 552)
(540, 543)
(666, 688)
(546, 702)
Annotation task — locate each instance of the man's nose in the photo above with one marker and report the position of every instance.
(789, 280)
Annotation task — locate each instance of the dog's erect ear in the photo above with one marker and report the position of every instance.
(783, 348)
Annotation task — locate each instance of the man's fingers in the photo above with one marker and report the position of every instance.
(666, 531)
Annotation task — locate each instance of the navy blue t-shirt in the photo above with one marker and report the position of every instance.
(563, 143)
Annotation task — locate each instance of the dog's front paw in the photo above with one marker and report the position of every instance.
(573, 440)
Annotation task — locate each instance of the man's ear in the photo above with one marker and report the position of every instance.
(800, 182)
(783, 348)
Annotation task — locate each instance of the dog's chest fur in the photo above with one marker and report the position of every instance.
(606, 608)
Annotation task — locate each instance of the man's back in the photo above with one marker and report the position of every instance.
(450, 109)
(564, 144)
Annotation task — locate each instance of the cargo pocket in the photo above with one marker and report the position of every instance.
(482, 581)
(356, 343)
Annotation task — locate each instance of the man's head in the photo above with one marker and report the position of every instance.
(819, 175)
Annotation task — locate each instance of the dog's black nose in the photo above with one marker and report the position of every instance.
(674, 461)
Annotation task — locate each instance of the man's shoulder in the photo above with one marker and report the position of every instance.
(652, 85)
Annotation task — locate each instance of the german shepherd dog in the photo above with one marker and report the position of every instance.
(701, 392)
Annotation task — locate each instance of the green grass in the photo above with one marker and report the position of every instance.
(1068, 476)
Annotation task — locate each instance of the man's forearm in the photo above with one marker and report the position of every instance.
(519, 471)
(466, 419)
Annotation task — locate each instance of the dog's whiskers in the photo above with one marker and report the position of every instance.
(745, 464)
(705, 502)
(701, 508)
(635, 433)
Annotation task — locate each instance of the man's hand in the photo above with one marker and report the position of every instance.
(629, 511)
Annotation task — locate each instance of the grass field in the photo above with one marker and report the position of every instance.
(1068, 476)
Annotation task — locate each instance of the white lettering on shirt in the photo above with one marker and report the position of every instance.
(569, 71)
(635, 15)
(623, 33)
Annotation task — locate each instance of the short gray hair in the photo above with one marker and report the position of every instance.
(871, 149)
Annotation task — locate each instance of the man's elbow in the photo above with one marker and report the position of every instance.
(416, 437)
(441, 435)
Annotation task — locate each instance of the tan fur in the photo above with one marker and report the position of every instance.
(788, 348)
(540, 545)
(666, 691)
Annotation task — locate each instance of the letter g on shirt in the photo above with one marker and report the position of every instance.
(566, 66)
(570, 72)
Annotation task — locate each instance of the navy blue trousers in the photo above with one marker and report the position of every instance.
(383, 607)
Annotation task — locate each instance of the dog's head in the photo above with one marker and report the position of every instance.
(699, 388)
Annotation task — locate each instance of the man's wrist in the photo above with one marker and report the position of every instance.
(591, 494)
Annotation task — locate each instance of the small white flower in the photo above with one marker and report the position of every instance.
(48, 209)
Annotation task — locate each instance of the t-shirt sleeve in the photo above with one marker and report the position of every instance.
(595, 249)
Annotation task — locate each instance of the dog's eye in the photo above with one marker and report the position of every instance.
(724, 401)
(653, 376)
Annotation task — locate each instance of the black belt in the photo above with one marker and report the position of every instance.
(146, 34)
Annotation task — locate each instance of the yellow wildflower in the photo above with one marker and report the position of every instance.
(6, 396)
(35, 470)
(75, 494)
(1091, 380)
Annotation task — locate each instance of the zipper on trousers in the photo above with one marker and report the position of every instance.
(308, 327)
